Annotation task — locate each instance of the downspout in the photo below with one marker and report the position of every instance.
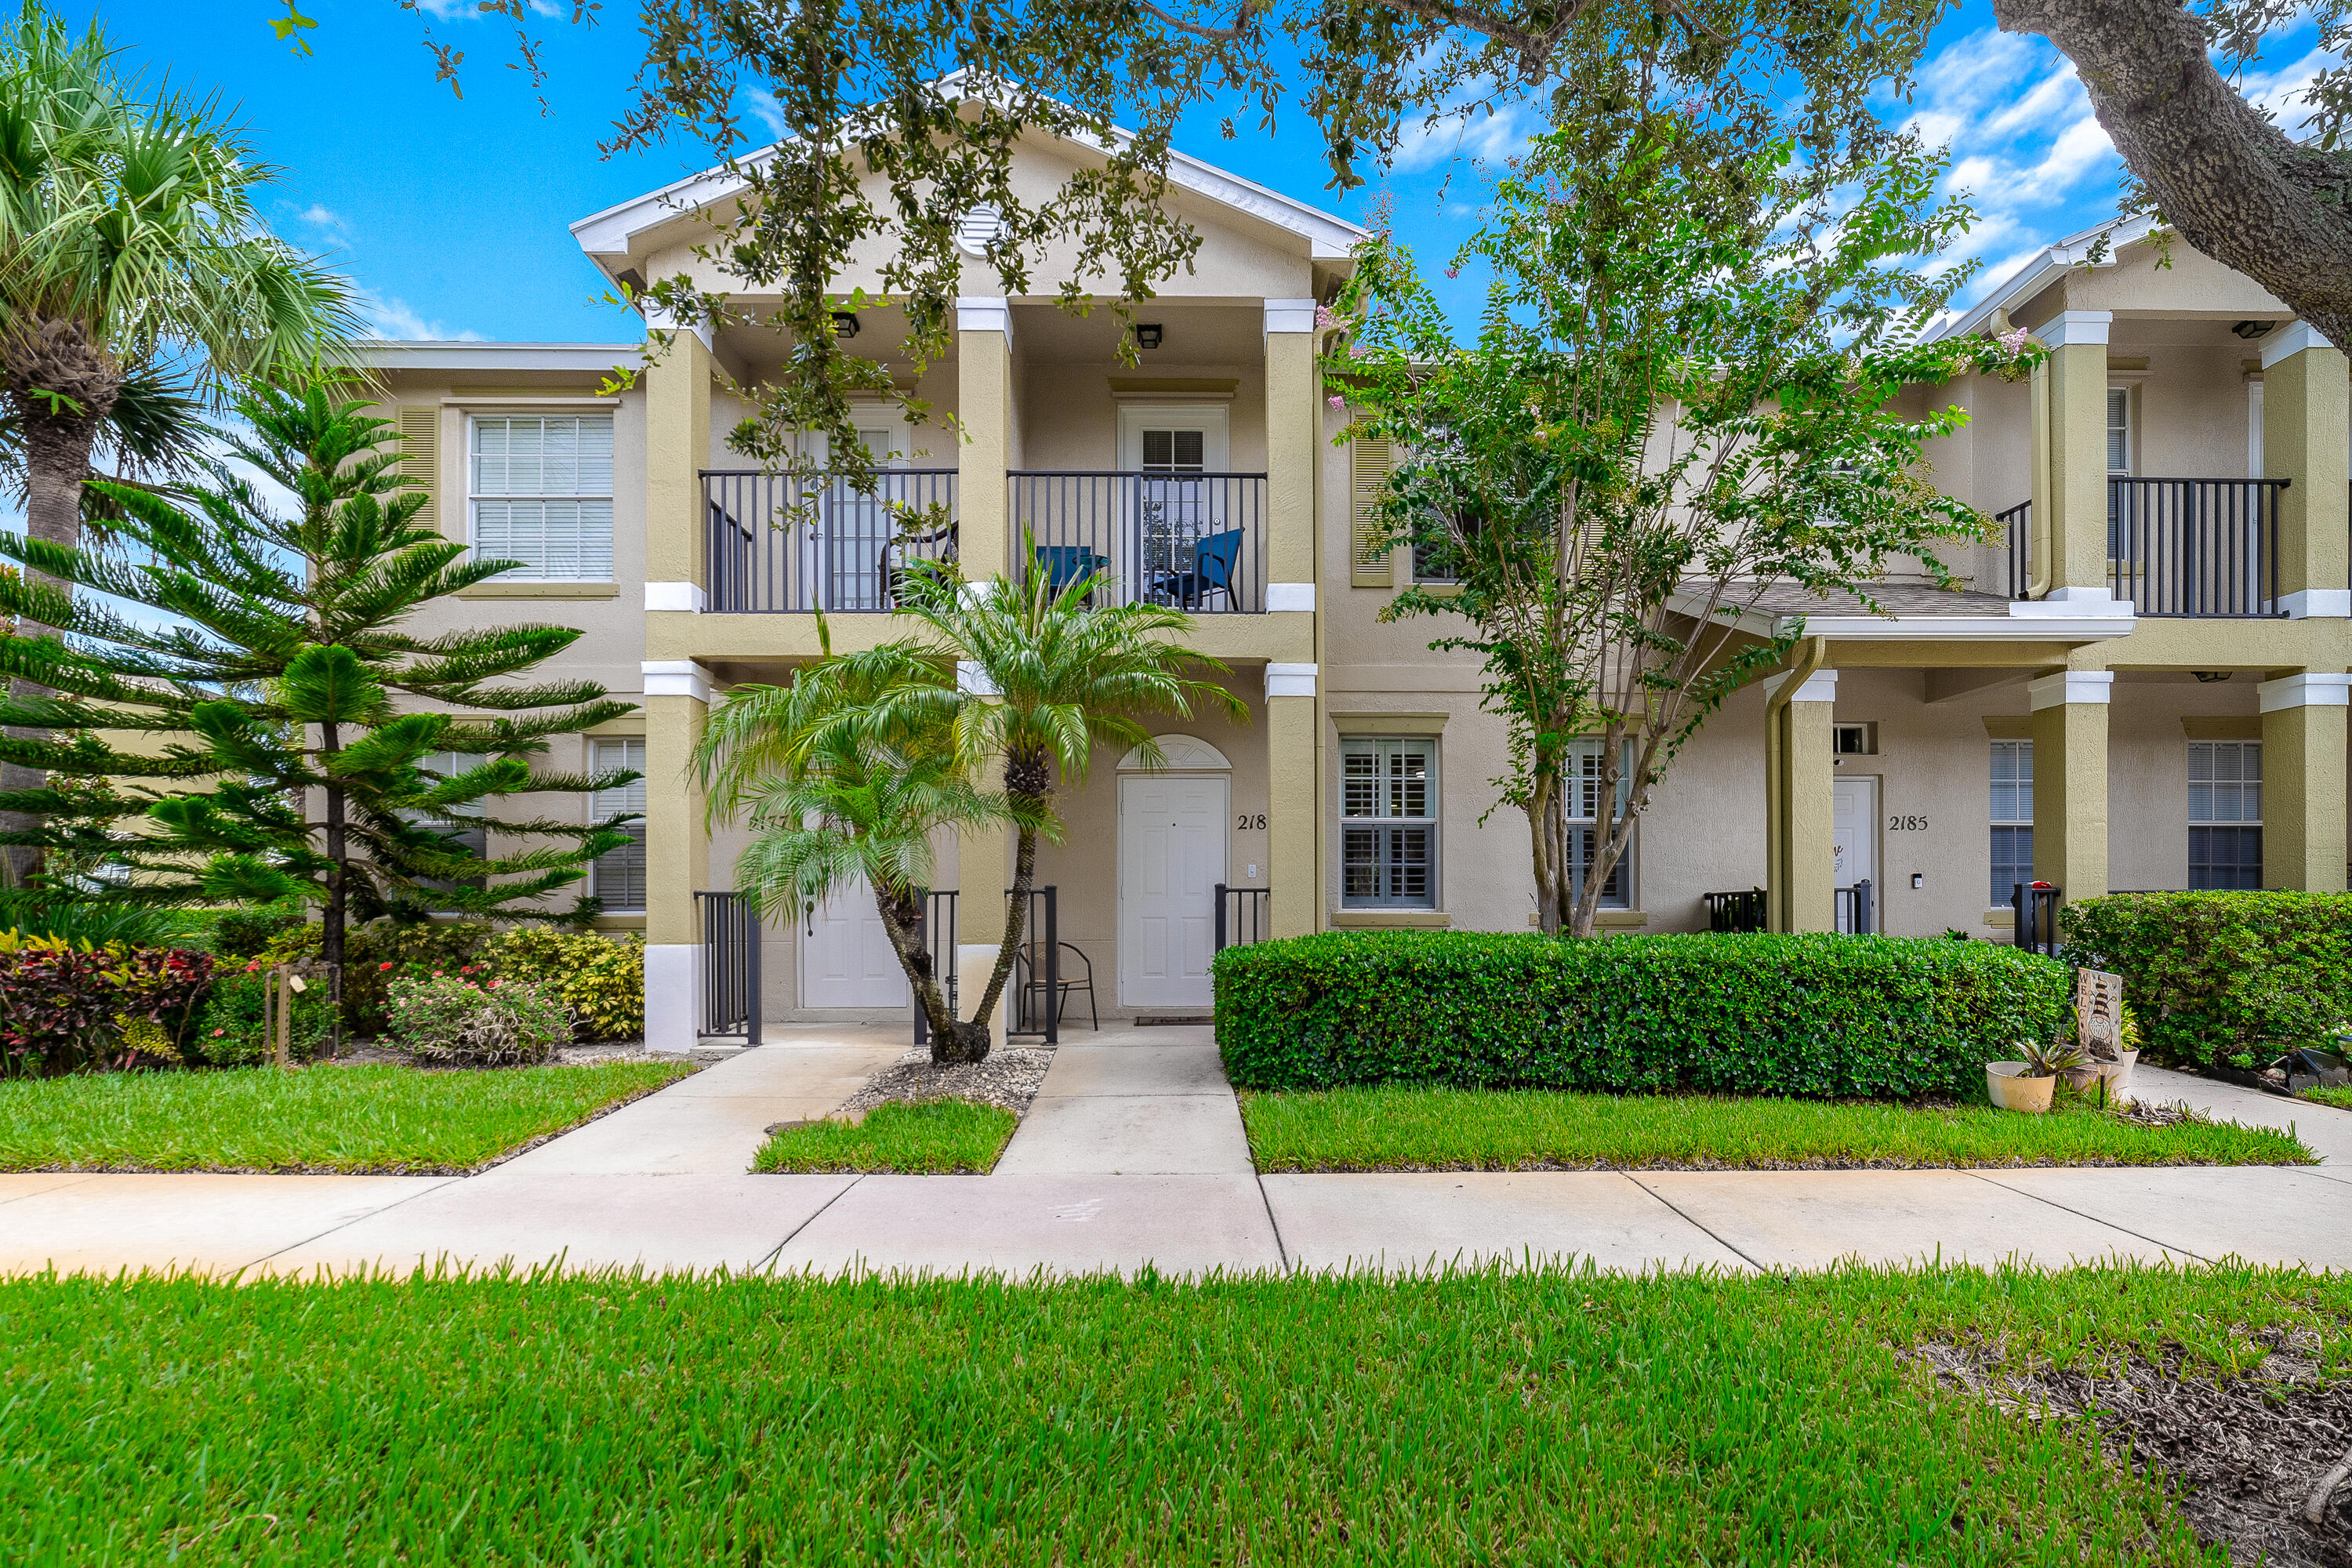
(2041, 543)
(1813, 653)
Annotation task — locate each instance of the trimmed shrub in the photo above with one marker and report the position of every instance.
(2227, 978)
(375, 955)
(1814, 1016)
(230, 1033)
(450, 1019)
(602, 981)
(241, 934)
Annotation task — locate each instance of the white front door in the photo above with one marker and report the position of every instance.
(847, 960)
(1171, 856)
(1854, 846)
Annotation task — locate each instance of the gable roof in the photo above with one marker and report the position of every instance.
(608, 236)
(2045, 269)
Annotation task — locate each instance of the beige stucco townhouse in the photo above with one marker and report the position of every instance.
(2144, 685)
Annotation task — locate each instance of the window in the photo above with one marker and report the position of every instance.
(1388, 810)
(1435, 563)
(474, 841)
(2225, 815)
(541, 493)
(618, 877)
(1174, 451)
(1585, 823)
(2119, 445)
(2012, 819)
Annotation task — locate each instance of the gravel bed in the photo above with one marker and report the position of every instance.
(373, 1053)
(1008, 1079)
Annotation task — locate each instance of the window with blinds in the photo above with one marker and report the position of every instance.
(1587, 821)
(541, 493)
(1387, 823)
(618, 877)
(474, 841)
(2012, 818)
(2119, 442)
(2225, 815)
(1174, 451)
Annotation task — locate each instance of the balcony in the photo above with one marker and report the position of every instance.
(2204, 547)
(1196, 542)
(781, 544)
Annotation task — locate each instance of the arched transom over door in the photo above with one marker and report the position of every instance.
(1171, 856)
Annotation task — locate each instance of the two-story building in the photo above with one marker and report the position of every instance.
(2145, 686)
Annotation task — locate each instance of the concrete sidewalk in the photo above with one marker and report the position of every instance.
(1134, 1154)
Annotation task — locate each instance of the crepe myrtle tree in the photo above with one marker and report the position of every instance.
(270, 724)
(1682, 396)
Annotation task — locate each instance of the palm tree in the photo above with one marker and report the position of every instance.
(830, 803)
(129, 240)
(1032, 677)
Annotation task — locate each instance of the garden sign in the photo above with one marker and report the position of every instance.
(2099, 1013)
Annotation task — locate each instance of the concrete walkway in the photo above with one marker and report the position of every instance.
(1134, 1154)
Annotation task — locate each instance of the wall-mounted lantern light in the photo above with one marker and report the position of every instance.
(844, 323)
(1146, 335)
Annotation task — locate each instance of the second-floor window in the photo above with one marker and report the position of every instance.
(2119, 441)
(540, 490)
(618, 876)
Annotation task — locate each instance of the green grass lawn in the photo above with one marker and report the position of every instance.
(2340, 1097)
(1480, 1418)
(381, 1119)
(928, 1138)
(1404, 1128)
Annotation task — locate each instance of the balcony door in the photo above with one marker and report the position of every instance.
(1166, 510)
(848, 549)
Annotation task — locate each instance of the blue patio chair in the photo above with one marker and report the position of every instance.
(1213, 559)
(1066, 565)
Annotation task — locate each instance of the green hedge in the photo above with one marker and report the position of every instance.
(2228, 977)
(1818, 1015)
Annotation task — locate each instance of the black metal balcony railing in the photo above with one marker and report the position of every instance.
(1245, 916)
(1739, 911)
(2194, 547)
(2177, 547)
(780, 542)
(1193, 540)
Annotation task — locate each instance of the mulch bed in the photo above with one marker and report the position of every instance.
(1008, 1079)
(2241, 1457)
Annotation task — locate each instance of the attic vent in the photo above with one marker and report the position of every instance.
(977, 227)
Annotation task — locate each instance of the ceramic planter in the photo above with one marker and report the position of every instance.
(2008, 1086)
(2117, 1073)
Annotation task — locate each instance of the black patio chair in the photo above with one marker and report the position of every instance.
(1031, 983)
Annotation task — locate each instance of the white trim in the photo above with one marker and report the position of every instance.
(1280, 596)
(586, 358)
(985, 313)
(1215, 421)
(2292, 339)
(675, 678)
(686, 596)
(973, 680)
(2037, 274)
(2312, 691)
(2305, 604)
(1185, 754)
(1289, 680)
(1289, 315)
(660, 321)
(1819, 687)
(2073, 604)
(673, 999)
(2075, 329)
(2074, 628)
(2069, 688)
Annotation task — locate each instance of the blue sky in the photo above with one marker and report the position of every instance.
(453, 213)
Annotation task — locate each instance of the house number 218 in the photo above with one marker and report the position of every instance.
(1245, 823)
(1906, 824)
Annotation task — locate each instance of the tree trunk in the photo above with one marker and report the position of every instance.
(1016, 925)
(900, 918)
(338, 906)
(57, 460)
(2230, 181)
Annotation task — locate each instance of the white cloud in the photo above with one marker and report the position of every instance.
(767, 112)
(1491, 137)
(319, 215)
(396, 320)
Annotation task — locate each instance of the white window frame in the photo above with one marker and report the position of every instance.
(591, 552)
(624, 752)
(2020, 756)
(1387, 824)
(2240, 807)
(2121, 396)
(1582, 814)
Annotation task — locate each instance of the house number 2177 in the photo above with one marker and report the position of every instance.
(1906, 824)
(1245, 823)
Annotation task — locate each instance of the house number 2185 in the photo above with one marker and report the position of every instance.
(1245, 823)
(1906, 824)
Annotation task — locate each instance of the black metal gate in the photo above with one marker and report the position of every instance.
(936, 930)
(1031, 1001)
(2035, 911)
(730, 966)
(1856, 915)
(1245, 916)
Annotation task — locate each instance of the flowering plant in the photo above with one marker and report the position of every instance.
(460, 1019)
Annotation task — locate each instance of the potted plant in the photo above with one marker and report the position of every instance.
(2114, 1064)
(2028, 1083)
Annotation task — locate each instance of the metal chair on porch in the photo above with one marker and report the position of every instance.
(1034, 985)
